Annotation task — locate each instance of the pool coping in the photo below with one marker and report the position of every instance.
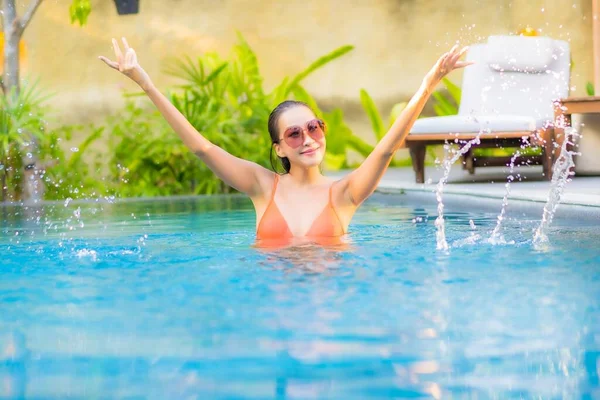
(465, 202)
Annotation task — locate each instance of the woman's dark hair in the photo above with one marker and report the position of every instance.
(274, 131)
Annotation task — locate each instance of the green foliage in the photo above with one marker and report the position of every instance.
(589, 88)
(396, 111)
(453, 89)
(283, 90)
(447, 104)
(338, 136)
(377, 125)
(374, 116)
(22, 119)
(68, 172)
(148, 159)
(79, 11)
(224, 99)
(226, 102)
(21, 112)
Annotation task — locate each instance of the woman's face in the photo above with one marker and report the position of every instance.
(301, 137)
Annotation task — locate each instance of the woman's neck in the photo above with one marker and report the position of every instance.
(306, 176)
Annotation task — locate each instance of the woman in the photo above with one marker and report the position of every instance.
(301, 204)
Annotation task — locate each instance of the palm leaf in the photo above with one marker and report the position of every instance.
(454, 90)
(83, 147)
(187, 70)
(360, 146)
(301, 94)
(213, 75)
(443, 107)
(280, 92)
(374, 116)
(320, 62)
(396, 111)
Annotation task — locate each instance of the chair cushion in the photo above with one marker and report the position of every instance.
(520, 53)
(474, 124)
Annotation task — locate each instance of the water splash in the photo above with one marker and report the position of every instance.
(561, 175)
(440, 235)
(496, 236)
(85, 253)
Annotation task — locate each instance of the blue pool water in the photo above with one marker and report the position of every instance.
(170, 299)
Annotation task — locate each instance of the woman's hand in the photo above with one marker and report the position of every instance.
(447, 63)
(128, 65)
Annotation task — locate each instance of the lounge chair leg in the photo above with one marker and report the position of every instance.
(548, 152)
(469, 162)
(417, 154)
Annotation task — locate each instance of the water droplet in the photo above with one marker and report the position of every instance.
(74, 149)
(67, 201)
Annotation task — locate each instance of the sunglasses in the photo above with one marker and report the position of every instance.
(294, 135)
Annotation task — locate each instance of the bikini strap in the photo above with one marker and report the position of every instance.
(331, 205)
(274, 187)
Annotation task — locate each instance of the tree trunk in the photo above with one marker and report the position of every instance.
(596, 43)
(33, 187)
(3, 182)
(11, 47)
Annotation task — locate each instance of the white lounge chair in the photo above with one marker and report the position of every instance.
(508, 95)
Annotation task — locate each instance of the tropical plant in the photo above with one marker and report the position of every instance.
(226, 102)
(22, 116)
(147, 159)
(73, 171)
(377, 124)
(444, 104)
(447, 104)
(11, 45)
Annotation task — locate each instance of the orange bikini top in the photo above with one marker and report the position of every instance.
(273, 226)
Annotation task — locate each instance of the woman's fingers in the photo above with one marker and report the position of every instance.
(129, 58)
(452, 61)
(455, 54)
(110, 63)
(117, 49)
(125, 44)
(443, 63)
(133, 56)
(462, 64)
(453, 50)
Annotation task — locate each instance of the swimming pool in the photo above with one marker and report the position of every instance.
(170, 299)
